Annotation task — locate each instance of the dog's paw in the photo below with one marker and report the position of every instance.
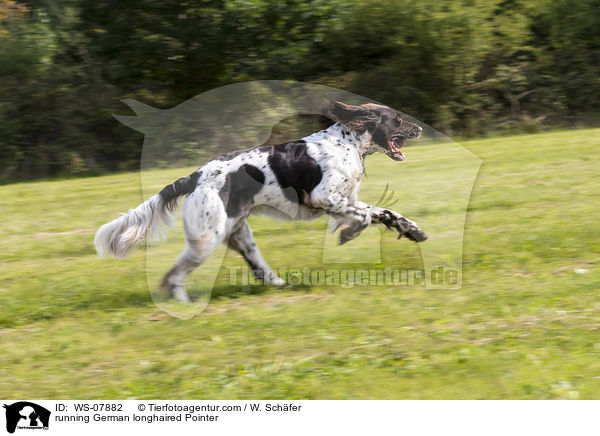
(180, 294)
(276, 281)
(174, 290)
(346, 236)
(351, 232)
(409, 229)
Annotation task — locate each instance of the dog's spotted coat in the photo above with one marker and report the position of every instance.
(304, 179)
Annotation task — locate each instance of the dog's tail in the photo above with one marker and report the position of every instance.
(150, 220)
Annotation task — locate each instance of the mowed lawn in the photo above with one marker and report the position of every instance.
(525, 323)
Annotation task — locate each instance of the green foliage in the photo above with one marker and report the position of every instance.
(465, 67)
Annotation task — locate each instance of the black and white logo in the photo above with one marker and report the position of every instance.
(26, 415)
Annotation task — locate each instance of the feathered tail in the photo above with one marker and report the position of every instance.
(149, 221)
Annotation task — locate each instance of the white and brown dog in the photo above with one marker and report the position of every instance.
(304, 179)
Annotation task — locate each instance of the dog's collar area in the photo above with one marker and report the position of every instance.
(343, 135)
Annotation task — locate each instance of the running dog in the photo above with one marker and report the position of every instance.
(304, 179)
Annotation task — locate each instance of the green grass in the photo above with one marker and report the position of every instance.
(523, 325)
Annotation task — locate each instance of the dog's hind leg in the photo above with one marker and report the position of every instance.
(194, 254)
(243, 242)
(204, 223)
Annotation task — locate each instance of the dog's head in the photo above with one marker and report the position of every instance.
(388, 130)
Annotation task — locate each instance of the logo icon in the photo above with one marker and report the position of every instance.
(26, 415)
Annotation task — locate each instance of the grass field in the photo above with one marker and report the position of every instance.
(525, 324)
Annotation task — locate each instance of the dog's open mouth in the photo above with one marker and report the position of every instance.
(395, 144)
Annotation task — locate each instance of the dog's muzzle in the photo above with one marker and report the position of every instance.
(409, 131)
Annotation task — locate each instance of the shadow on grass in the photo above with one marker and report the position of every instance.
(49, 309)
(224, 292)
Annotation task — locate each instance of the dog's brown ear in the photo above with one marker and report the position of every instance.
(357, 118)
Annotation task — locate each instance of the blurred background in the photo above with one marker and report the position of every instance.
(467, 68)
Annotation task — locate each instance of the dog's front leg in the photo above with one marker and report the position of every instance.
(394, 221)
(353, 216)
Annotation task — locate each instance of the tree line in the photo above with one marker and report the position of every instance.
(466, 67)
